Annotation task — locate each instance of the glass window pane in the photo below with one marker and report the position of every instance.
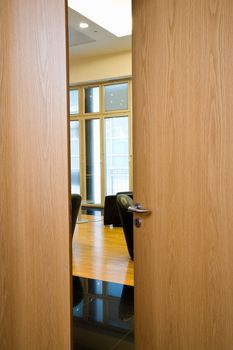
(74, 107)
(116, 154)
(75, 157)
(93, 183)
(92, 100)
(116, 97)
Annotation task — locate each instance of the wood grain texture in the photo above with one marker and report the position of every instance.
(100, 252)
(183, 171)
(34, 209)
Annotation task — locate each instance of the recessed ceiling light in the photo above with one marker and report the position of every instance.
(83, 25)
(112, 15)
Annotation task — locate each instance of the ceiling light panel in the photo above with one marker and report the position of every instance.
(113, 15)
(83, 25)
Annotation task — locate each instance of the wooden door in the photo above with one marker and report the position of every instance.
(183, 171)
(35, 307)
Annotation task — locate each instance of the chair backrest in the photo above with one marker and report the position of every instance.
(123, 203)
(111, 212)
(75, 204)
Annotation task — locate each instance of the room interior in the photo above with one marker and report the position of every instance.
(101, 166)
(182, 172)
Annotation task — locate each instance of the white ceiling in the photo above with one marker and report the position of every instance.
(94, 40)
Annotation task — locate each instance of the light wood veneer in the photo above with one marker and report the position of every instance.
(35, 303)
(183, 172)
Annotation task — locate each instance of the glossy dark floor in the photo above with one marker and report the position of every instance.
(103, 315)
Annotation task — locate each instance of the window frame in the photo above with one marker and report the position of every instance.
(101, 115)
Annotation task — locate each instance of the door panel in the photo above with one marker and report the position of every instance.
(183, 171)
(34, 211)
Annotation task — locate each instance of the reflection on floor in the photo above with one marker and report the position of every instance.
(103, 315)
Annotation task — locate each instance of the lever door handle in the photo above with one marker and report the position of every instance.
(137, 208)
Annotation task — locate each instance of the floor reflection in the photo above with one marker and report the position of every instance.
(103, 315)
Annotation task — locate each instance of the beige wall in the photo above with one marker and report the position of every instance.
(100, 67)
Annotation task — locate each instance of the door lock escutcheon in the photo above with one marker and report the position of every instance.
(138, 222)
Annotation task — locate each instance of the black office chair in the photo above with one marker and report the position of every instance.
(111, 213)
(75, 205)
(123, 203)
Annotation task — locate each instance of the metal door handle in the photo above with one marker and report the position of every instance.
(137, 208)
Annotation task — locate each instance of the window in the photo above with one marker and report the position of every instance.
(101, 145)
(92, 143)
(92, 100)
(75, 158)
(116, 154)
(74, 103)
(116, 97)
